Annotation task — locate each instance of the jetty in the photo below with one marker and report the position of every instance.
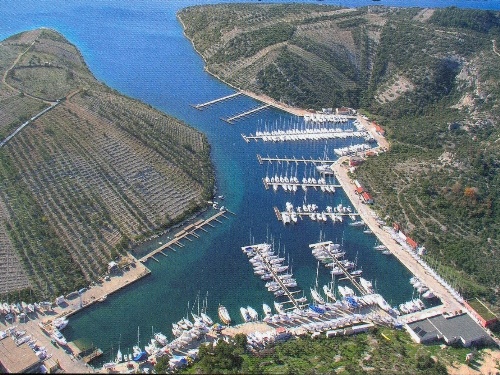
(92, 355)
(201, 106)
(184, 233)
(260, 250)
(315, 215)
(303, 135)
(293, 159)
(231, 119)
(331, 187)
(324, 246)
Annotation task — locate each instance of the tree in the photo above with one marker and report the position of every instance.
(162, 365)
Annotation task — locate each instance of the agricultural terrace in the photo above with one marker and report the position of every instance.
(93, 176)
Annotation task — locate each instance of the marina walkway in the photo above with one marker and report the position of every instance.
(209, 103)
(334, 216)
(303, 135)
(231, 119)
(267, 185)
(340, 265)
(276, 277)
(190, 230)
(293, 159)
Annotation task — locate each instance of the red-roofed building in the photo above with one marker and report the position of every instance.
(345, 111)
(355, 161)
(411, 242)
(378, 128)
(367, 198)
(359, 190)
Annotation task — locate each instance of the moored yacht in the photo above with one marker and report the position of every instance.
(224, 315)
(253, 314)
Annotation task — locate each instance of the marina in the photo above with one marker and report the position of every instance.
(293, 186)
(203, 264)
(328, 247)
(263, 256)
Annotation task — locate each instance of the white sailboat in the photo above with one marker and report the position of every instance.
(136, 349)
(119, 355)
(314, 291)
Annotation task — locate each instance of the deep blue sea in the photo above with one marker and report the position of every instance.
(138, 48)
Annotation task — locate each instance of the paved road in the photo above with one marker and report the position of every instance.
(450, 303)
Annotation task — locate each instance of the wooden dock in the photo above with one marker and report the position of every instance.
(209, 103)
(92, 355)
(184, 233)
(231, 119)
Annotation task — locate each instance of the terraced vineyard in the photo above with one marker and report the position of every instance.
(91, 177)
(266, 48)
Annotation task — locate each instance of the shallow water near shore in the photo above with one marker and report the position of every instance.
(141, 51)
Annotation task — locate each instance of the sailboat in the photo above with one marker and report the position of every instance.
(119, 355)
(138, 354)
(314, 292)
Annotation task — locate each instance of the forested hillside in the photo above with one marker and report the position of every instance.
(95, 174)
(431, 77)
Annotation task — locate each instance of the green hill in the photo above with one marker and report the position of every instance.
(94, 175)
(430, 77)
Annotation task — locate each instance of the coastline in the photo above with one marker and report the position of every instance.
(449, 303)
(67, 357)
(260, 97)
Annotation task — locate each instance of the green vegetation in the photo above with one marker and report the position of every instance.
(431, 78)
(91, 177)
(481, 309)
(380, 351)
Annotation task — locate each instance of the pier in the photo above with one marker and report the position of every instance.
(184, 233)
(92, 355)
(211, 102)
(330, 188)
(231, 119)
(300, 135)
(285, 216)
(276, 278)
(351, 278)
(293, 159)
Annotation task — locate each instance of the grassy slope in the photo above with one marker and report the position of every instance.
(92, 176)
(440, 109)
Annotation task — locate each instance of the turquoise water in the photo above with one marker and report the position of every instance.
(138, 48)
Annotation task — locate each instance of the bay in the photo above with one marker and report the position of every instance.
(138, 48)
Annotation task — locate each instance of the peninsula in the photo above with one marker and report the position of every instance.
(85, 172)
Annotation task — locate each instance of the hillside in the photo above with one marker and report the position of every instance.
(430, 77)
(92, 176)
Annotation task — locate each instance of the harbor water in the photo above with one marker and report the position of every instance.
(139, 49)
